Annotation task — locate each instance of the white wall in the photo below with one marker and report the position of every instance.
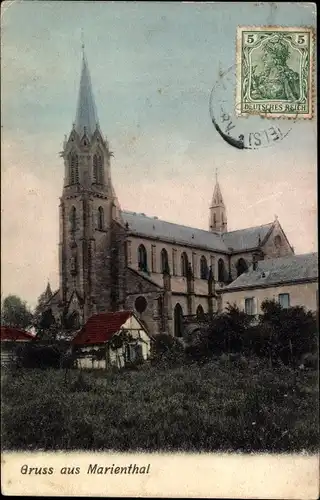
(304, 294)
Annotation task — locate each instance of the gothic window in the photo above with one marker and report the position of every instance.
(203, 268)
(200, 312)
(221, 271)
(73, 264)
(95, 168)
(98, 168)
(100, 218)
(73, 168)
(241, 266)
(184, 264)
(142, 258)
(164, 260)
(214, 220)
(73, 219)
(178, 320)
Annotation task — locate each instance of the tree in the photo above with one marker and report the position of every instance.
(228, 330)
(292, 331)
(15, 312)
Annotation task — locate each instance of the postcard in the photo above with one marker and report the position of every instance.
(159, 298)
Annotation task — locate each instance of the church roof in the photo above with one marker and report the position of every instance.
(295, 268)
(86, 116)
(243, 239)
(167, 231)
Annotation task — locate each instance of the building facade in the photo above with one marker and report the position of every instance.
(111, 260)
(291, 281)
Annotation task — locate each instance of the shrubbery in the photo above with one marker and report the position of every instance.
(43, 355)
(284, 335)
(167, 350)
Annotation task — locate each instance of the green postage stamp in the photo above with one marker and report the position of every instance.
(275, 71)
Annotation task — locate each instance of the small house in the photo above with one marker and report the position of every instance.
(291, 281)
(111, 339)
(11, 338)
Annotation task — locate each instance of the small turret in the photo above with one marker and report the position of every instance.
(218, 214)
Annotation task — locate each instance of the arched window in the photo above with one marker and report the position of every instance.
(100, 218)
(142, 258)
(73, 168)
(221, 271)
(184, 264)
(95, 168)
(214, 220)
(203, 268)
(164, 261)
(73, 219)
(98, 168)
(241, 266)
(200, 312)
(178, 320)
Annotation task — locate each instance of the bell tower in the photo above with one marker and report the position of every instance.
(218, 213)
(88, 211)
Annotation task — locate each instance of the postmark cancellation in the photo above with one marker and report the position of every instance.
(275, 71)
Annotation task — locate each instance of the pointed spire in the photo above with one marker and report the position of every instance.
(48, 292)
(218, 216)
(86, 116)
(217, 195)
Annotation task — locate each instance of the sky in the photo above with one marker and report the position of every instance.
(153, 66)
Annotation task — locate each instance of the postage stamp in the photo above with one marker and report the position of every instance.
(274, 71)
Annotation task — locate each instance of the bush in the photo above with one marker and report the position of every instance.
(281, 335)
(44, 355)
(292, 332)
(167, 350)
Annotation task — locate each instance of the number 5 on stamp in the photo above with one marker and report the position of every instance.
(275, 72)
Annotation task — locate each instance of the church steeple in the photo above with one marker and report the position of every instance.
(90, 215)
(86, 116)
(218, 215)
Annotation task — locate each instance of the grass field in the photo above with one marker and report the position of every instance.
(218, 406)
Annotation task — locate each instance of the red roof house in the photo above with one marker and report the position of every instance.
(11, 334)
(100, 329)
(10, 338)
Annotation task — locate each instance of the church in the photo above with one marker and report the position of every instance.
(111, 260)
